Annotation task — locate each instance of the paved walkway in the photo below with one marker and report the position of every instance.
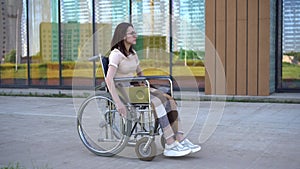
(40, 132)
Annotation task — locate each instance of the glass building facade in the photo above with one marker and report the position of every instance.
(290, 44)
(291, 23)
(47, 43)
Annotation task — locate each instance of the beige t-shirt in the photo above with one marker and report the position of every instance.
(126, 66)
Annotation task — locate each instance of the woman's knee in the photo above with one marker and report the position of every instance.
(173, 116)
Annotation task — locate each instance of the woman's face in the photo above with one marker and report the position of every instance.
(131, 36)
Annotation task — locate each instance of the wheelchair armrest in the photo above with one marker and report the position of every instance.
(133, 79)
(146, 80)
(130, 79)
(157, 77)
(164, 89)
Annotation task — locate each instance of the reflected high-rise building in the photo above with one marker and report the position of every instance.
(291, 25)
(75, 14)
(153, 15)
(24, 30)
(10, 25)
(75, 11)
(111, 12)
(189, 24)
(151, 21)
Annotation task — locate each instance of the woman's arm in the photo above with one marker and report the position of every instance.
(112, 89)
(139, 71)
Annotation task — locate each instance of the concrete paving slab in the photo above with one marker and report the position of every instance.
(40, 132)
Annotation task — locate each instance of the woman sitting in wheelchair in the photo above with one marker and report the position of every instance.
(124, 62)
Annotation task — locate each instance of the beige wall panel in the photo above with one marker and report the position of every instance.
(220, 47)
(231, 48)
(241, 47)
(252, 47)
(239, 30)
(210, 47)
(264, 48)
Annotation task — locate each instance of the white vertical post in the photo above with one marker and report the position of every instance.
(17, 37)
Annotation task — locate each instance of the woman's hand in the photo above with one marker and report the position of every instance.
(121, 108)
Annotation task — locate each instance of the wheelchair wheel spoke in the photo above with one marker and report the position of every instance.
(100, 126)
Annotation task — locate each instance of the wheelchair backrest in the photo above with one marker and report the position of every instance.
(104, 64)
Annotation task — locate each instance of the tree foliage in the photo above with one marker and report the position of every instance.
(191, 54)
(10, 57)
(295, 54)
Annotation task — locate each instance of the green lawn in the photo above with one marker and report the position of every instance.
(290, 71)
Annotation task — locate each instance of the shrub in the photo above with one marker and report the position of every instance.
(68, 65)
(10, 57)
(53, 65)
(191, 54)
(295, 54)
(10, 66)
(190, 63)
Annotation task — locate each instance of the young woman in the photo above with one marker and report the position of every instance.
(124, 62)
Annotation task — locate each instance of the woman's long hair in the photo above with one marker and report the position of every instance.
(117, 41)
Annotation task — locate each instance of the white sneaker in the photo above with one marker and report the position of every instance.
(176, 150)
(193, 147)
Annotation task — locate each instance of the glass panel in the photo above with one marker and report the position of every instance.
(111, 13)
(188, 27)
(76, 40)
(43, 42)
(150, 19)
(108, 14)
(291, 45)
(13, 67)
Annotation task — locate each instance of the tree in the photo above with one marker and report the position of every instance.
(10, 57)
(295, 54)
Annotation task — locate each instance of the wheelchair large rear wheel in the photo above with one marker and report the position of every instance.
(101, 128)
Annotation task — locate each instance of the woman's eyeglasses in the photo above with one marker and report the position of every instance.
(133, 33)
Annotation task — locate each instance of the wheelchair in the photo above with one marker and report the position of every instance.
(104, 132)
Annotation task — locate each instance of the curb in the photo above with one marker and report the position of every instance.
(184, 95)
(273, 98)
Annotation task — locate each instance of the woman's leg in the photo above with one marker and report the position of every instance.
(167, 114)
(174, 118)
(158, 103)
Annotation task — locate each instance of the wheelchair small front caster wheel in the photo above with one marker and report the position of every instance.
(143, 153)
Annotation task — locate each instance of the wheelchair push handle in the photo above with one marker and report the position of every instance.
(94, 58)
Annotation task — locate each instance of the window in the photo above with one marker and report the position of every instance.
(290, 70)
